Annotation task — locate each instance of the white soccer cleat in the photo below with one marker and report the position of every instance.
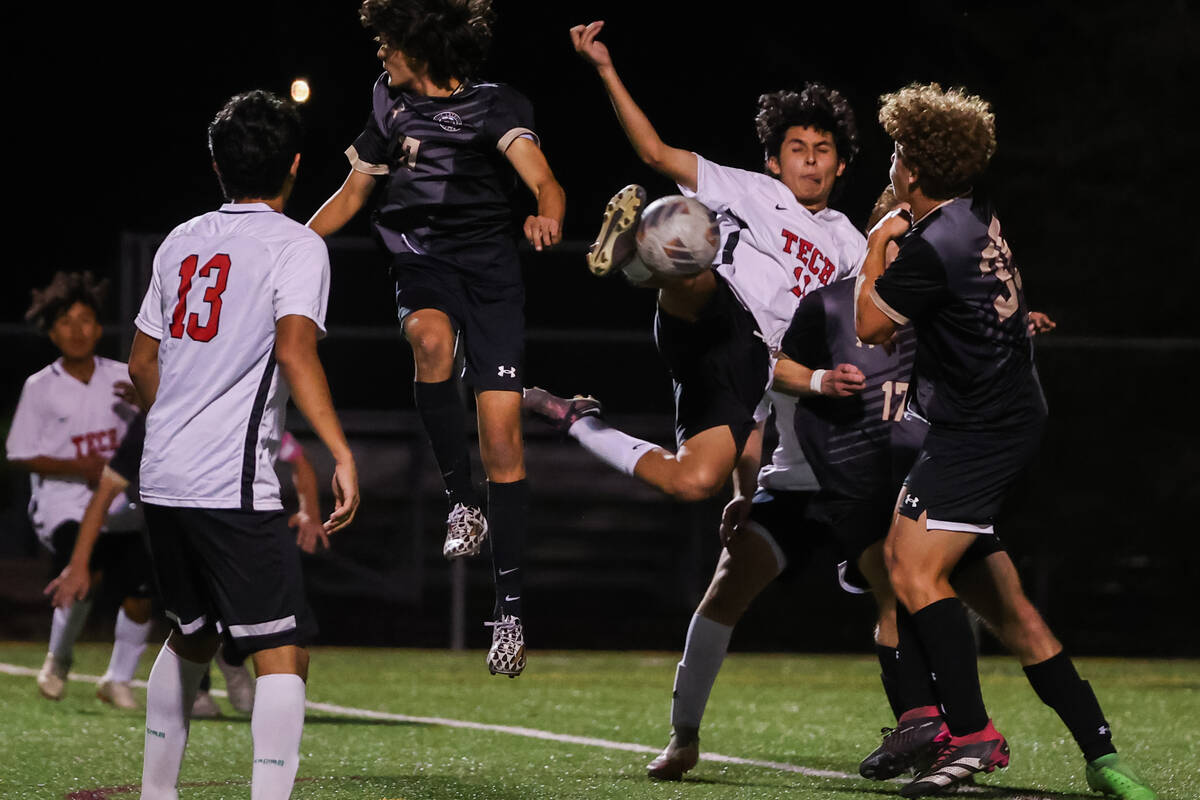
(616, 244)
(52, 678)
(204, 707)
(118, 693)
(238, 684)
(466, 531)
(507, 656)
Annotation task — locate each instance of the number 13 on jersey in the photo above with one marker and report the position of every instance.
(212, 296)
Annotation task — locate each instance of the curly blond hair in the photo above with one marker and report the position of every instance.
(946, 136)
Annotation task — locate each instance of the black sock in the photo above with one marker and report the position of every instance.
(950, 647)
(445, 420)
(1059, 686)
(914, 684)
(889, 668)
(508, 514)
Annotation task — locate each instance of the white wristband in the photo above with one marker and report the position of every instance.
(815, 382)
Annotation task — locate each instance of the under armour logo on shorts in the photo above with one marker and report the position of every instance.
(507, 372)
(912, 500)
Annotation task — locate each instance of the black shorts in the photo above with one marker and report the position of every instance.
(120, 556)
(235, 570)
(960, 479)
(857, 524)
(486, 305)
(719, 366)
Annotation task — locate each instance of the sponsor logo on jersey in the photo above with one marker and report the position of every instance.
(506, 372)
(912, 500)
(449, 121)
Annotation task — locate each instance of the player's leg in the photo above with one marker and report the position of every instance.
(502, 452)
(992, 588)
(182, 662)
(126, 565)
(277, 723)
(65, 623)
(750, 561)
(432, 337)
(238, 684)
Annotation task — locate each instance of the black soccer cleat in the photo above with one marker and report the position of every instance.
(959, 759)
(558, 412)
(914, 740)
(616, 243)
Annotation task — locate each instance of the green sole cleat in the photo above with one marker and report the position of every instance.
(1109, 775)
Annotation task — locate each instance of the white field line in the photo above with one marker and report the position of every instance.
(530, 733)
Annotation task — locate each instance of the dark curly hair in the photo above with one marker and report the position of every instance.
(814, 106)
(64, 291)
(253, 141)
(946, 136)
(449, 37)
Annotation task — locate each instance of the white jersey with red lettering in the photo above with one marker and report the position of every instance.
(773, 250)
(59, 416)
(220, 283)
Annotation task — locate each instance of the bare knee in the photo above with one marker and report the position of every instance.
(285, 660)
(432, 342)
(691, 484)
(138, 609)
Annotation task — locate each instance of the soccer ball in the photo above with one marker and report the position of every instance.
(678, 236)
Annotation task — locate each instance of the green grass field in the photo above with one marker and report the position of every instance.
(818, 714)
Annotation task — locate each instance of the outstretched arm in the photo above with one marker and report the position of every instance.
(678, 165)
(344, 204)
(545, 229)
(792, 377)
(74, 582)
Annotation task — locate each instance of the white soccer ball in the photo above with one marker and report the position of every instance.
(678, 236)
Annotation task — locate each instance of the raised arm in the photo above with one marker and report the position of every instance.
(678, 165)
(870, 323)
(296, 353)
(792, 377)
(545, 229)
(344, 204)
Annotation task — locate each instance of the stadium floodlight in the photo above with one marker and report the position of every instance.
(300, 90)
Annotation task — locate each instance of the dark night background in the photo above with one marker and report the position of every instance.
(1094, 180)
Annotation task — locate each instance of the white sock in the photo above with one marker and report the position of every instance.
(619, 450)
(703, 653)
(276, 725)
(129, 641)
(65, 627)
(170, 693)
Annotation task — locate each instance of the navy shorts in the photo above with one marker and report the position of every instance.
(719, 366)
(236, 571)
(486, 305)
(786, 516)
(120, 556)
(960, 479)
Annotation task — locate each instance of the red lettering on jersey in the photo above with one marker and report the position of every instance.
(828, 272)
(187, 268)
(789, 239)
(78, 442)
(804, 251)
(212, 296)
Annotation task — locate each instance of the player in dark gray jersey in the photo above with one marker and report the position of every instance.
(451, 149)
(955, 279)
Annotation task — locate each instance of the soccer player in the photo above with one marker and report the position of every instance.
(227, 331)
(449, 147)
(716, 330)
(69, 420)
(974, 382)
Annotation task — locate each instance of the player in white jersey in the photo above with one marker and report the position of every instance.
(69, 420)
(716, 330)
(227, 330)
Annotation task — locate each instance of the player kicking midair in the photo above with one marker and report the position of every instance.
(447, 145)
(975, 383)
(227, 331)
(716, 330)
(69, 420)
